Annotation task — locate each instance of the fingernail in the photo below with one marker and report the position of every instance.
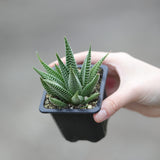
(101, 116)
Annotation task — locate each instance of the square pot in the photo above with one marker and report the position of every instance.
(78, 124)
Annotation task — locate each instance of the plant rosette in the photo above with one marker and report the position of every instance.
(73, 93)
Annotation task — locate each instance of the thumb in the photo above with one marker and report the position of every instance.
(113, 103)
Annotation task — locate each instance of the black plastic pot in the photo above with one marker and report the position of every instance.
(78, 124)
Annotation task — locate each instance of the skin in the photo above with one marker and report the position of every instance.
(131, 83)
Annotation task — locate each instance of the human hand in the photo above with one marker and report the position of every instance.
(131, 83)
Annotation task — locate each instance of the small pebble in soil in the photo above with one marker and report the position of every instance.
(90, 107)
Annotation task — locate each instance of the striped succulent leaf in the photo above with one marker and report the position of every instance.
(50, 70)
(85, 71)
(88, 89)
(49, 77)
(95, 68)
(73, 82)
(47, 88)
(57, 102)
(61, 92)
(58, 69)
(64, 70)
(70, 61)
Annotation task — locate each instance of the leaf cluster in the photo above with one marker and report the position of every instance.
(66, 83)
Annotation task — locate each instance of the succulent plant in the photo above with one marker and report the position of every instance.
(66, 83)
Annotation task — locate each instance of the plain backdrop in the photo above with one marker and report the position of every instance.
(131, 26)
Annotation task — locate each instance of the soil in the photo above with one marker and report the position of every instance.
(89, 105)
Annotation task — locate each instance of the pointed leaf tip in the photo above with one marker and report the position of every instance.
(65, 38)
(38, 57)
(70, 60)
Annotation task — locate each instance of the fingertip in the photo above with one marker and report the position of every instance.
(100, 116)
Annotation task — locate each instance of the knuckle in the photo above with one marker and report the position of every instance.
(112, 107)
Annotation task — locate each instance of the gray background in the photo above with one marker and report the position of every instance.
(27, 26)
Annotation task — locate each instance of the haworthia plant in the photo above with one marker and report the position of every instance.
(66, 84)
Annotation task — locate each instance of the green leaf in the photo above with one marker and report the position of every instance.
(57, 102)
(91, 98)
(73, 82)
(64, 71)
(47, 88)
(61, 92)
(50, 70)
(77, 99)
(95, 68)
(70, 60)
(49, 77)
(57, 69)
(88, 89)
(85, 71)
